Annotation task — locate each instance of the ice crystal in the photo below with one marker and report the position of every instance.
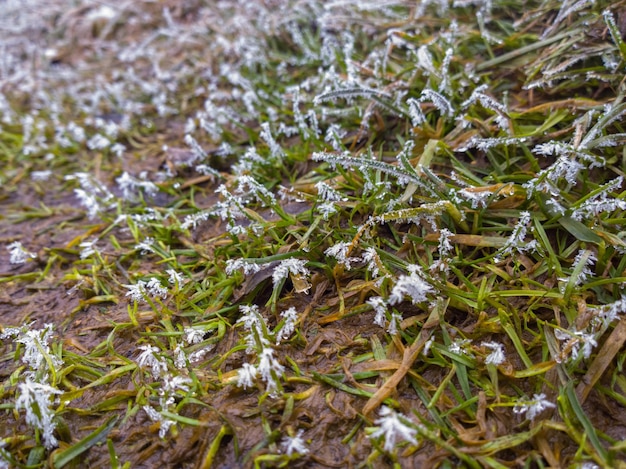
(460, 347)
(289, 266)
(36, 346)
(496, 357)
(586, 259)
(517, 240)
(175, 278)
(246, 376)
(148, 359)
(156, 416)
(533, 408)
(393, 429)
(130, 186)
(192, 221)
(41, 175)
(294, 444)
(18, 253)
(440, 102)
(146, 246)
(380, 307)
(35, 398)
(276, 151)
(270, 370)
(413, 285)
(370, 256)
(248, 268)
(194, 335)
(340, 252)
(576, 340)
(291, 318)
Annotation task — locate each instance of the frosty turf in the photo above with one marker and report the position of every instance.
(268, 229)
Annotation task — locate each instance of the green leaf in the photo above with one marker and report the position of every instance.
(65, 456)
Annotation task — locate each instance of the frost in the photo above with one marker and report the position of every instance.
(442, 104)
(294, 444)
(246, 375)
(192, 221)
(36, 349)
(130, 186)
(34, 398)
(270, 370)
(146, 246)
(248, 268)
(328, 193)
(575, 341)
(533, 408)
(291, 318)
(393, 429)
(19, 254)
(193, 335)
(266, 134)
(291, 266)
(156, 416)
(460, 347)
(148, 359)
(496, 357)
(371, 257)
(380, 307)
(340, 252)
(412, 285)
(517, 240)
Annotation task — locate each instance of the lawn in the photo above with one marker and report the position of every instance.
(308, 233)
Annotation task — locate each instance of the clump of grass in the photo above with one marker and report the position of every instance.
(394, 230)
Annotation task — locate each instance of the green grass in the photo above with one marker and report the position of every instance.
(330, 234)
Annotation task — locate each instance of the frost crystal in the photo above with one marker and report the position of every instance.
(340, 252)
(496, 357)
(156, 416)
(148, 359)
(441, 103)
(266, 134)
(459, 346)
(379, 305)
(517, 240)
(193, 335)
(175, 278)
(131, 185)
(412, 285)
(328, 193)
(289, 326)
(289, 266)
(88, 248)
(373, 261)
(269, 367)
(393, 429)
(246, 375)
(36, 346)
(586, 259)
(136, 292)
(294, 444)
(146, 246)
(248, 268)
(192, 221)
(19, 254)
(34, 398)
(155, 288)
(574, 341)
(534, 407)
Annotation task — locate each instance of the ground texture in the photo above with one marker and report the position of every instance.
(305, 233)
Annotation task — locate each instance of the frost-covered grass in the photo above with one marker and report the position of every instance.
(408, 213)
